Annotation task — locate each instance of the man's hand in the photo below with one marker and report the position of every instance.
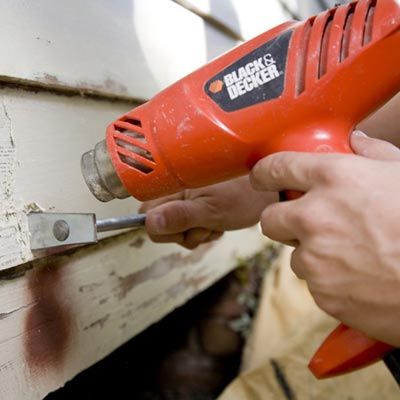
(197, 216)
(346, 229)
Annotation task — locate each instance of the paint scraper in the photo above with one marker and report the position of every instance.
(57, 231)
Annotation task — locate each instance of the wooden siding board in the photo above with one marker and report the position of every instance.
(42, 137)
(131, 48)
(110, 292)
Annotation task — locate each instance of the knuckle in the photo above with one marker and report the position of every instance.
(275, 166)
(305, 218)
(257, 173)
(325, 170)
(334, 170)
(181, 214)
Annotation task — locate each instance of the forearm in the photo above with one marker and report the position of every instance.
(385, 123)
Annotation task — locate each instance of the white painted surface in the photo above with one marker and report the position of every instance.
(95, 300)
(104, 45)
(42, 137)
(248, 18)
(128, 48)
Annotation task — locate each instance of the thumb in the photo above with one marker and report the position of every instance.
(376, 149)
(177, 216)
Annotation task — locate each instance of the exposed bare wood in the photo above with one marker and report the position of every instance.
(50, 316)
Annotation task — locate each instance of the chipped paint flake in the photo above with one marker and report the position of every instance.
(14, 240)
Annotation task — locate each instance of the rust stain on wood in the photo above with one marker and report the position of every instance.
(160, 268)
(48, 325)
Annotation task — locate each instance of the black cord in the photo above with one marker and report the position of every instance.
(392, 361)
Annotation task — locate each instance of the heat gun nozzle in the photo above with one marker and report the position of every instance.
(100, 176)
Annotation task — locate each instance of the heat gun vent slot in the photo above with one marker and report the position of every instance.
(132, 146)
(302, 59)
(344, 48)
(132, 121)
(369, 24)
(323, 54)
(134, 163)
(140, 151)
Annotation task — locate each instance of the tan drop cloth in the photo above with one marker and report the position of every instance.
(287, 330)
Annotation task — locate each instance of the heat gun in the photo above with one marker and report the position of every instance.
(301, 86)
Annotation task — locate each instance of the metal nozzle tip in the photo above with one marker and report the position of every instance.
(100, 176)
(92, 177)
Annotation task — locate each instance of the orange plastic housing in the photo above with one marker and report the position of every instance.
(332, 70)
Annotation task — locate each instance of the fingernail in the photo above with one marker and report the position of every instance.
(159, 223)
(359, 133)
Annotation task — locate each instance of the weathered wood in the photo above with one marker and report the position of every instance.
(67, 312)
(42, 137)
(70, 311)
(132, 48)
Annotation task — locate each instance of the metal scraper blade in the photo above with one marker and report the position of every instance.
(60, 230)
(51, 232)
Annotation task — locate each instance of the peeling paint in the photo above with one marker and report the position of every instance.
(160, 268)
(89, 287)
(14, 240)
(99, 323)
(103, 301)
(138, 242)
(33, 207)
(195, 282)
(106, 88)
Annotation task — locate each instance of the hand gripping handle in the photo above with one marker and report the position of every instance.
(345, 349)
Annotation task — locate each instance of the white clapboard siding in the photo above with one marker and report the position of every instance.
(68, 312)
(42, 137)
(130, 48)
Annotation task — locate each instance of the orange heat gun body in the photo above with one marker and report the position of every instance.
(301, 86)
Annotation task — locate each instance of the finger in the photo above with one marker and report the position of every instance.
(373, 148)
(215, 236)
(196, 236)
(148, 205)
(176, 217)
(287, 170)
(178, 238)
(297, 264)
(277, 223)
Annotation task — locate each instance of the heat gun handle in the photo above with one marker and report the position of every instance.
(346, 350)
